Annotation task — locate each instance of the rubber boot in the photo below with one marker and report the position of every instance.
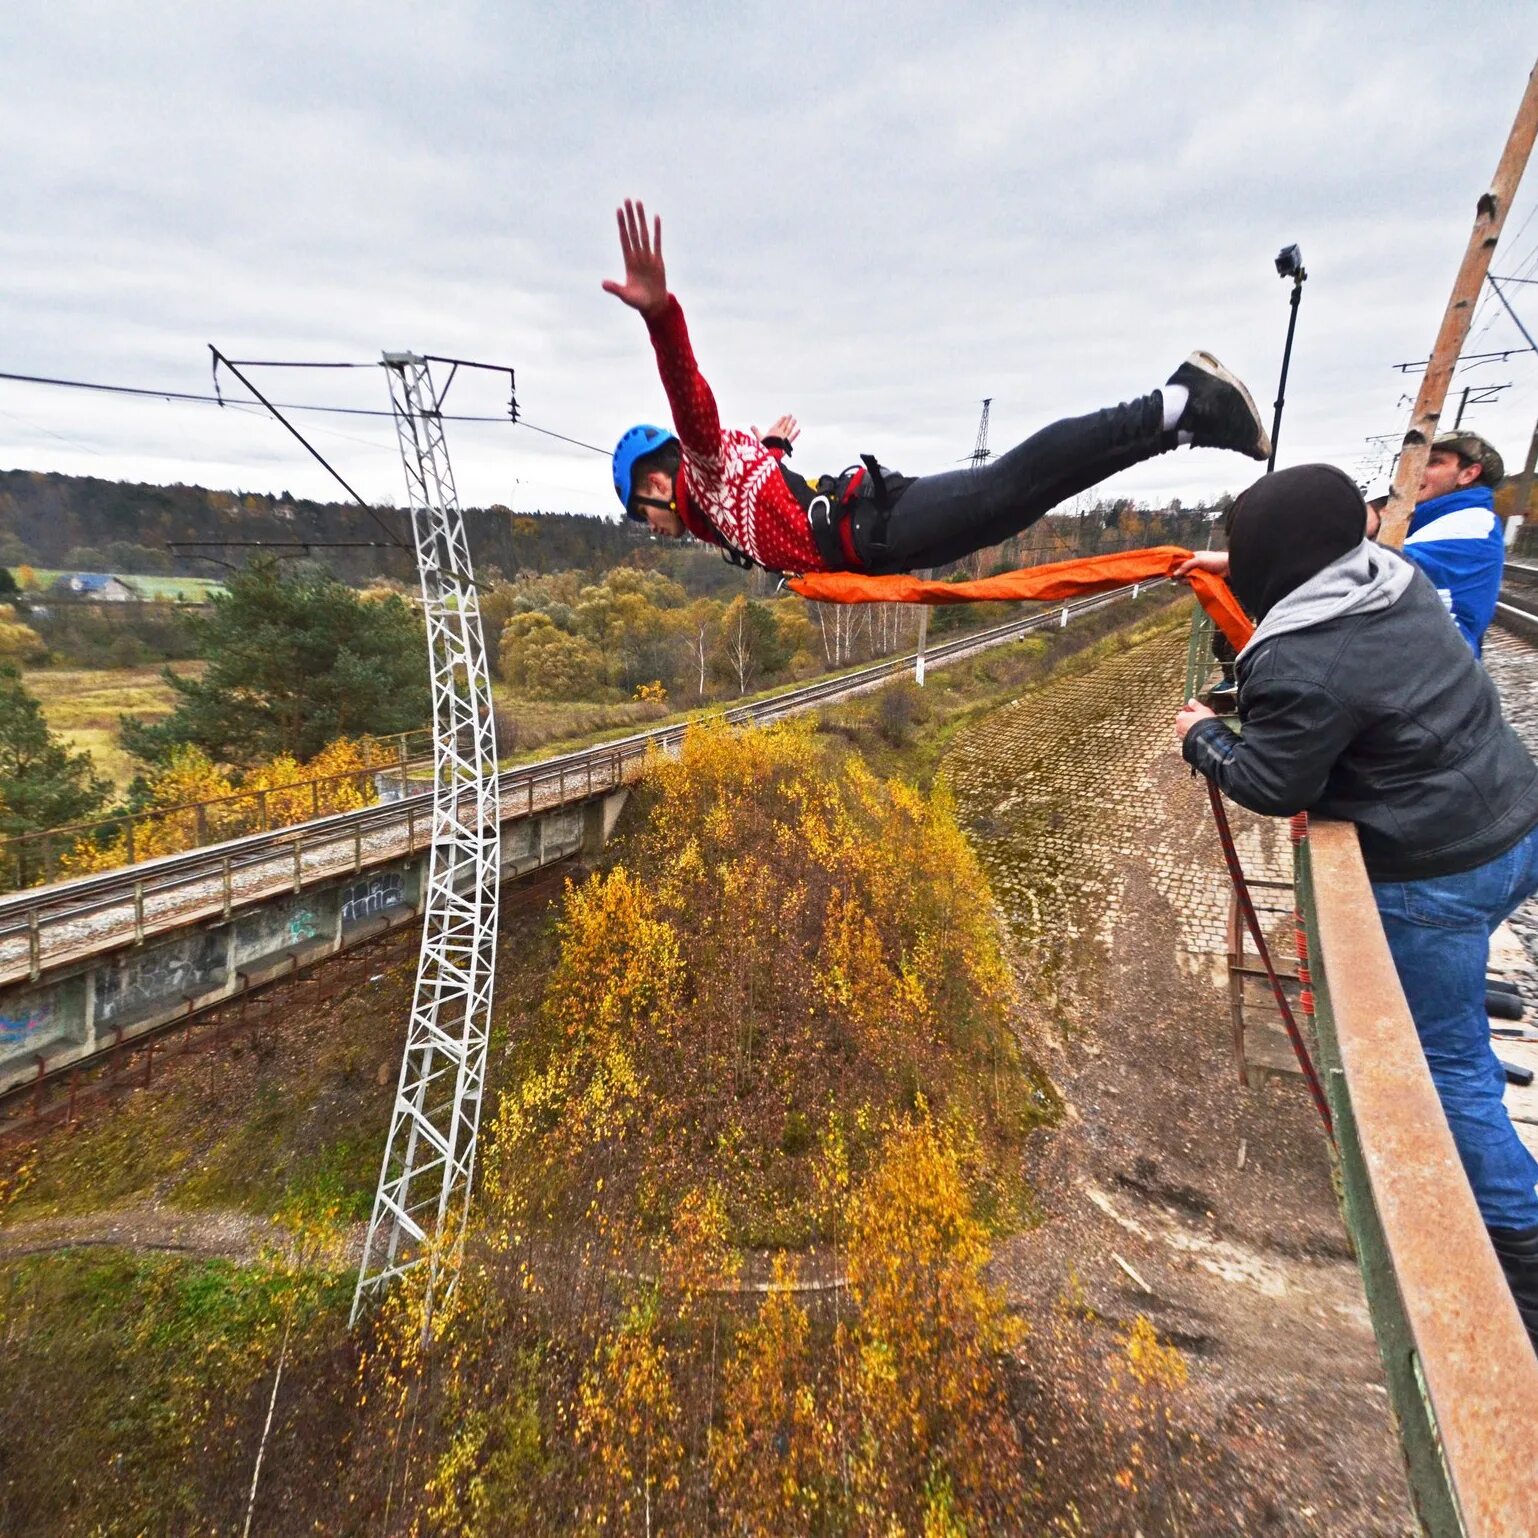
(1517, 1251)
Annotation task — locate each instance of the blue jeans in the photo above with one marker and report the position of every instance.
(1439, 933)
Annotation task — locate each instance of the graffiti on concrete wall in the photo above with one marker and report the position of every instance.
(389, 785)
(372, 896)
(27, 1022)
(183, 968)
(275, 928)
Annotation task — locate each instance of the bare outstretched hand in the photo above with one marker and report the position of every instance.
(646, 281)
(786, 428)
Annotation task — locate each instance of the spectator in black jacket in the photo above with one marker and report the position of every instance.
(1359, 700)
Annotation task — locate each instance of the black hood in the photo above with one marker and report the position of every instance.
(1288, 527)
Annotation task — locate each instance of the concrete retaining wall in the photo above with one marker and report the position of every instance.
(121, 994)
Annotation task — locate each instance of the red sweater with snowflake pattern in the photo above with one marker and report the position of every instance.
(729, 486)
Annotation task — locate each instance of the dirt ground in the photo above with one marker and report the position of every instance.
(1168, 1190)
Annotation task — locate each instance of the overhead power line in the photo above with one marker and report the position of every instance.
(305, 443)
(149, 393)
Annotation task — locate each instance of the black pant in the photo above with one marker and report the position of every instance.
(937, 519)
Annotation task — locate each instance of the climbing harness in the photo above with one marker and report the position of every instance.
(1252, 923)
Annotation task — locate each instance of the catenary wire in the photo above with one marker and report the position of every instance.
(147, 393)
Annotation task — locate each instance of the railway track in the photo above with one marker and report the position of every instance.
(1517, 608)
(48, 927)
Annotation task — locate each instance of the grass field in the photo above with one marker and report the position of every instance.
(84, 706)
(173, 589)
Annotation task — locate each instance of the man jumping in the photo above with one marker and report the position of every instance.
(733, 489)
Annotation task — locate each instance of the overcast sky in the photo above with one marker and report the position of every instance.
(874, 217)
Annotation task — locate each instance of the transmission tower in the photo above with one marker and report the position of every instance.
(980, 450)
(424, 1181)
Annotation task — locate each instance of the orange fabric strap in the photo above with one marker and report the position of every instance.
(1063, 579)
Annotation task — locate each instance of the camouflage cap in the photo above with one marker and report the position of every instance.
(1477, 450)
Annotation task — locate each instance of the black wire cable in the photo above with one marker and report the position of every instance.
(314, 452)
(346, 411)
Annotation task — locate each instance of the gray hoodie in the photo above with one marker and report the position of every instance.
(1359, 582)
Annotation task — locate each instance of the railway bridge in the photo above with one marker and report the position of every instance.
(90, 966)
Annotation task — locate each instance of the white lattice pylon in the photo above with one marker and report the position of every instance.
(429, 1160)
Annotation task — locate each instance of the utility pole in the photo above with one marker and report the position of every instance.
(1489, 219)
(429, 1159)
(1524, 492)
(980, 451)
(978, 458)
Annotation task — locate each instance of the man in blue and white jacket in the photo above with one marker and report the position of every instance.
(1454, 535)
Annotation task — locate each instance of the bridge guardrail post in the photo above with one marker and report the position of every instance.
(139, 912)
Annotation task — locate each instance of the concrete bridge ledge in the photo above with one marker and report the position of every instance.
(134, 989)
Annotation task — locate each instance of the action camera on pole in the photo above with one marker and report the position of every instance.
(1289, 264)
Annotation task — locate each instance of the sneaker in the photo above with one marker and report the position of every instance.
(1220, 413)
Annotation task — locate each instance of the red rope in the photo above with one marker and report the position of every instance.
(1252, 922)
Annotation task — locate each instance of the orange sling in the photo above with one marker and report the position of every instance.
(1063, 579)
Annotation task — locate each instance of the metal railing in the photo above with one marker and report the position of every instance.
(29, 857)
(52, 926)
(1461, 1373)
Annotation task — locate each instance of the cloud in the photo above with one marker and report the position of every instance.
(875, 217)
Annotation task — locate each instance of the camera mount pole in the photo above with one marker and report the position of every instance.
(1298, 278)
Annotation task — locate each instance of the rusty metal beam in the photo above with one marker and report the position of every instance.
(1489, 219)
(1446, 1323)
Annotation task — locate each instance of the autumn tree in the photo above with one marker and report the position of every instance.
(19, 642)
(42, 783)
(748, 644)
(696, 628)
(294, 662)
(544, 662)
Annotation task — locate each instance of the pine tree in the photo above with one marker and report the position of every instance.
(42, 783)
(295, 661)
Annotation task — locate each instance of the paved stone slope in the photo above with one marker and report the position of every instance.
(1070, 786)
(1168, 1189)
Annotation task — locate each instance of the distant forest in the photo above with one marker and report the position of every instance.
(85, 524)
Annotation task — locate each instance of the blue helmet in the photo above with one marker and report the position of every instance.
(636, 444)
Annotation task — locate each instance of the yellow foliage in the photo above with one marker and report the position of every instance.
(627, 1421)
(19, 642)
(773, 1461)
(177, 814)
(653, 693)
(1153, 1364)
(737, 1046)
(924, 1345)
